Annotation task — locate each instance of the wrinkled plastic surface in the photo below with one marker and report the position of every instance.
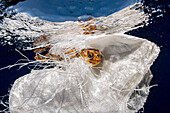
(79, 87)
(120, 84)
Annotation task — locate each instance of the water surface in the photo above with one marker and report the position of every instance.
(56, 10)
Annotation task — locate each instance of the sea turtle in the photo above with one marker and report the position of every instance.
(91, 55)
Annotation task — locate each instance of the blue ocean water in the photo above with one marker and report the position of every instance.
(158, 32)
(66, 10)
(57, 10)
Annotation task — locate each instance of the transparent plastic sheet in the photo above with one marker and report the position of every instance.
(119, 85)
(79, 87)
(26, 29)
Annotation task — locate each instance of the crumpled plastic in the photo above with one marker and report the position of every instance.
(119, 85)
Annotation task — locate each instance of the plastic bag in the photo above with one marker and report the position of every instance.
(119, 84)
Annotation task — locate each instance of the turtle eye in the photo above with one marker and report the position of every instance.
(90, 54)
(99, 56)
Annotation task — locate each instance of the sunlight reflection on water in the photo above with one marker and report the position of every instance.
(55, 10)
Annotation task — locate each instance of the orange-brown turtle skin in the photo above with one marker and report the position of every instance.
(93, 56)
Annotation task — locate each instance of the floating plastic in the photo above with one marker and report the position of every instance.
(120, 84)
